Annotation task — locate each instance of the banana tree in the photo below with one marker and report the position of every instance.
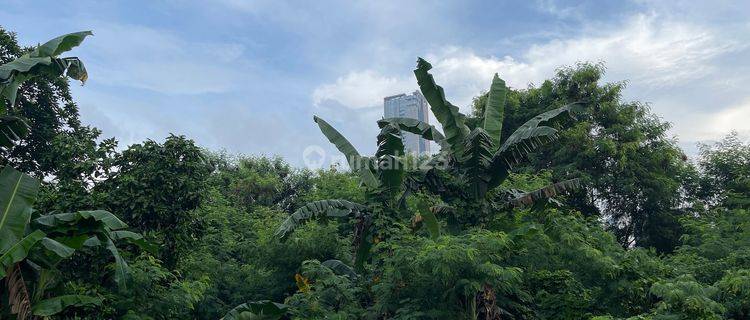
(31, 245)
(480, 157)
(381, 176)
(42, 61)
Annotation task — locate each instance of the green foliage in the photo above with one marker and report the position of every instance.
(56, 305)
(42, 61)
(684, 298)
(257, 310)
(725, 168)
(494, 111)
(328, 295)
(646, 236)
(439, 279)
(157, 188)
(631, 173)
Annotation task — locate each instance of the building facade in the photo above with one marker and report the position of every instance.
(409, 106)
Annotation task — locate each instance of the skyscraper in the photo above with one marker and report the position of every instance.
(409, 106)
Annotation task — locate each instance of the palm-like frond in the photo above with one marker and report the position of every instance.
(86, 228)
(18, 251)
(418, 127)
(42, 61)
(494, 111)
(339, 268)
(390, 149)
(319, 209)
(546, 192)
(18, 294)
(453, 122)
(359, 165)
(530, 135)
(476, 161)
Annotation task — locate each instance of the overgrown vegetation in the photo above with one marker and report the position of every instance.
(611, 221)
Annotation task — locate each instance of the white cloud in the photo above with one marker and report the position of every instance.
(654, 53)
(360, 89)
(735, 118)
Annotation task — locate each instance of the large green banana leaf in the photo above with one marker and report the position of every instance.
(257, 310)
(358, 164)
(476, 162)
(530, 135)
(418, 127)
(429, 219)
(17, 195)
(453, 122)
(52, 306)
(122, 270)
(390, 149)
(42, 61)
(319, 209)
(18, 251)
(50, 252)
(494, 111)
(64, 221)
(134, 238)
(63, 43)
(339, 268)
(70, 229)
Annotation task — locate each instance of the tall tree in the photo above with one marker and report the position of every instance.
(630, 168)
(157, 186)
(725, 173)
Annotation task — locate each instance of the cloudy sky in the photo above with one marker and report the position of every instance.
(247, 76)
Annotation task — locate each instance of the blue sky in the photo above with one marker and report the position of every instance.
(247, 76)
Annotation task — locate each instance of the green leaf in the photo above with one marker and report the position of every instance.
(257, 310)
(530, 135)
(17, 194)
(18, 251)
(357, 163)
(50, 252)
(546, 192)
(453, 122)
(476, 162)
(429, 219)
(363, 246)
(418, 127)
(72, 218)
(134, 238)
(494, 111)
(319, 209)
(42, 61)
(12, 129)
(56, 46)
(122, 270)
(21, 65)
(340, 268)
(52, 306)
(390, 148)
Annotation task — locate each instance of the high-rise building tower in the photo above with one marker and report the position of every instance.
(409, 106)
